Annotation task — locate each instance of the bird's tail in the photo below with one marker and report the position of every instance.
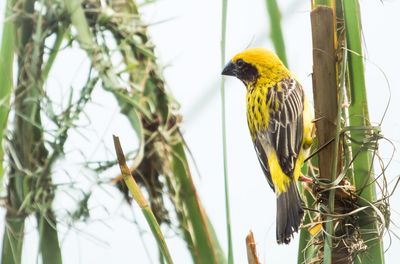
(289, 213)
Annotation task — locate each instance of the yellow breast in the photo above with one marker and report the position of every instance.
(257, 109)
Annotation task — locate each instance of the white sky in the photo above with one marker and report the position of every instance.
(189, 45)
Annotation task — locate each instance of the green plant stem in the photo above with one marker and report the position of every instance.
(359, 117)
(161, 257)
(6, 76)
(143, 204)
(303, 241)
(224, 144)
(305, 236)
(276, 30)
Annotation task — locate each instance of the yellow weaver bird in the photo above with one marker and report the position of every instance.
(280, 121)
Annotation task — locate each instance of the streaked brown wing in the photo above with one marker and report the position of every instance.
(285, 129)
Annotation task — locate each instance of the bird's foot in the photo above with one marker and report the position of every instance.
(305, 179)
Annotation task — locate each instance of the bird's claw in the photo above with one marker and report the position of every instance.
(306, 179)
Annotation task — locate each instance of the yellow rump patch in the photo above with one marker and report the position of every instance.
(280, 180)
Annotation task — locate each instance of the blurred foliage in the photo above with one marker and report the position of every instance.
(103, 29)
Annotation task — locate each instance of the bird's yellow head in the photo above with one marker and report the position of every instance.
(256, 66)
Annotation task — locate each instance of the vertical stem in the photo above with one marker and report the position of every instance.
(6, 76)
(225, 158)
(276, 30)
(326, 104)
(359, 117)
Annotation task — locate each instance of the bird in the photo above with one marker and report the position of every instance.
(279, 118)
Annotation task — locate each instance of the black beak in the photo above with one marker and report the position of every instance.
(229, 69)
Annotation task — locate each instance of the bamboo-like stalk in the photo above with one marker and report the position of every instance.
(276, 30)
(141, 201)
(359, 117)
(224, 144)
(6, 76)
(197, 230)
(326, 104)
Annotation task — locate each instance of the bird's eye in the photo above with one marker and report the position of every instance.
(240, 63)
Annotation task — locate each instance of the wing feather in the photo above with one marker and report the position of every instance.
(285, 130)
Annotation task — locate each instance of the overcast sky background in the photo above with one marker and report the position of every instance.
(188, 46)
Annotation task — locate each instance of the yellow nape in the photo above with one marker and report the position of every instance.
(270, 68)
(280, 180)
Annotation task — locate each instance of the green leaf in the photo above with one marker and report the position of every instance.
(13, 239)
(276, 30)
(6, 76)
(358, 113)
(224, 144)
(49, 246)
